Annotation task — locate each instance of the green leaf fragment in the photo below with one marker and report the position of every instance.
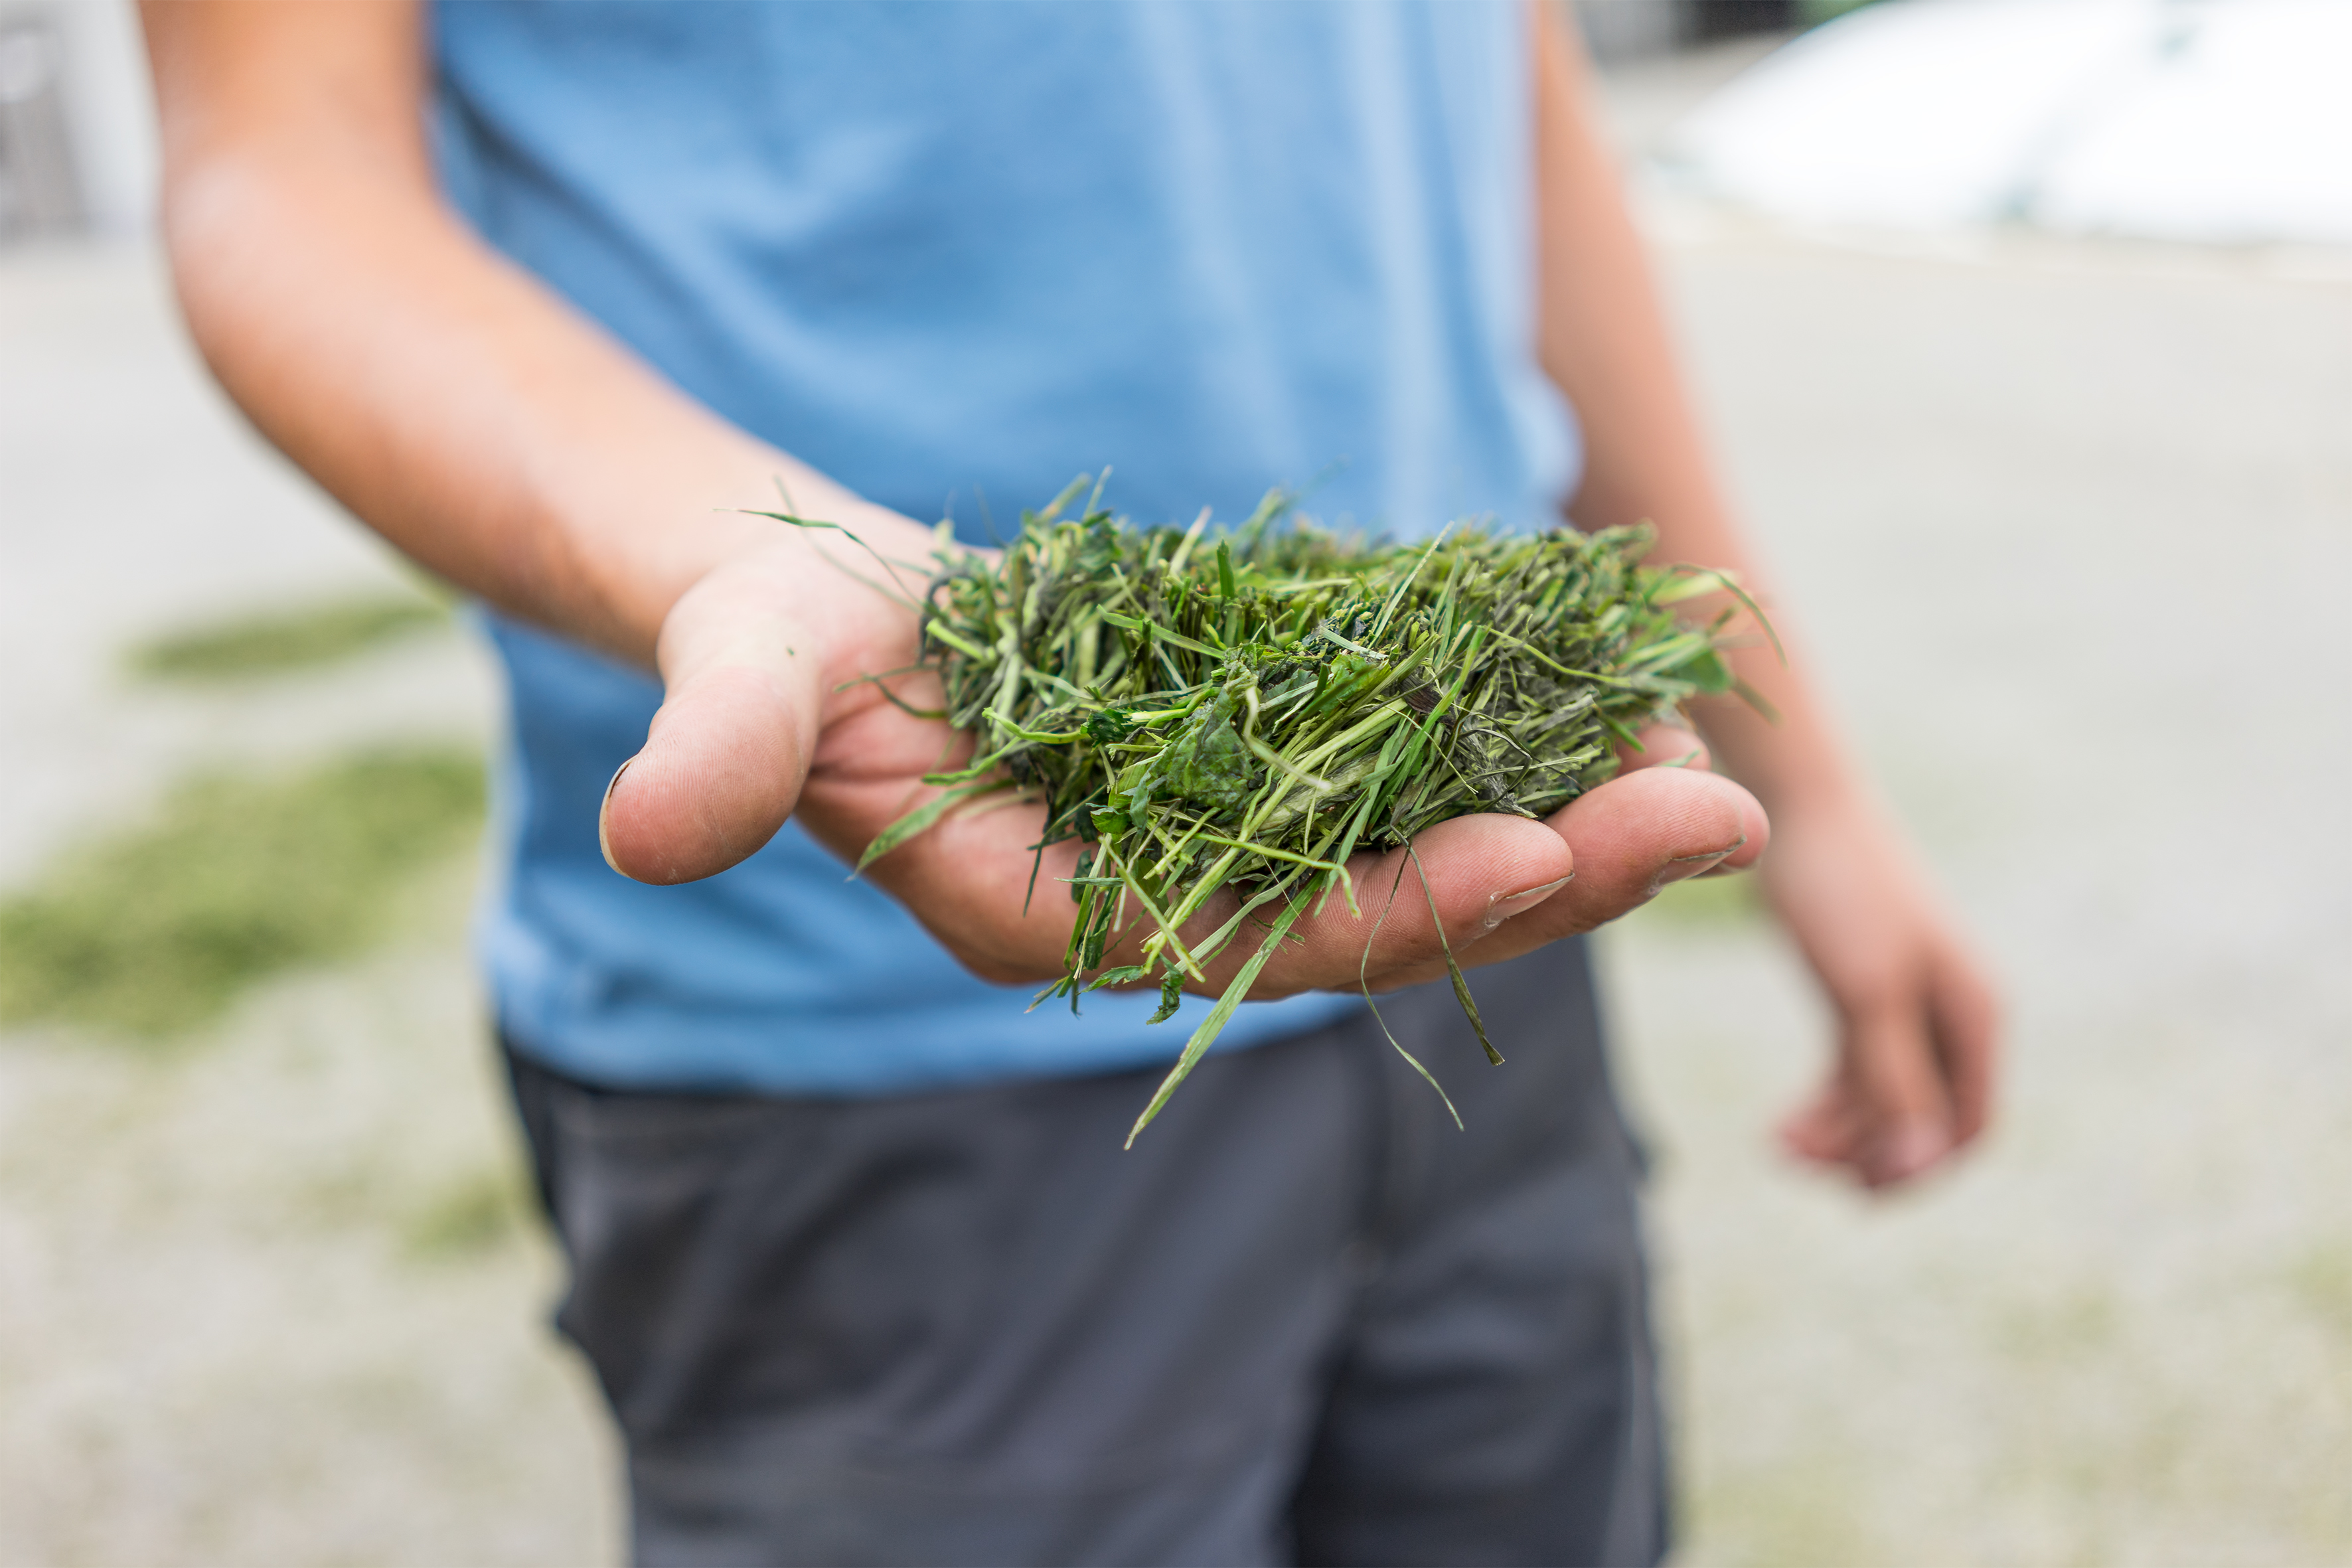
(1214, 1023)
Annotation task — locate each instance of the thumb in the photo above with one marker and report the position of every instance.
(726, 756)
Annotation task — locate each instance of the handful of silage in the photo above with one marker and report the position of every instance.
(1244, 712)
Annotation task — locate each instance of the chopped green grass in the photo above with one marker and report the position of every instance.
(284, 641)
(1239, 711)
(236, 878)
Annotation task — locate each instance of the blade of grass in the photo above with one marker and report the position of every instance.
(1214, 1023)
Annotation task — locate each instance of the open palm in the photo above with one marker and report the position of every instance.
(765, 719)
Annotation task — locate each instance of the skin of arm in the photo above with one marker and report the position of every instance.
(505, 442)
(1912, 1080)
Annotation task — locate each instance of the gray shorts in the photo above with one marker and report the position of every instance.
(1304, 1321)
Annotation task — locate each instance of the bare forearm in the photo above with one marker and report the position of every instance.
(1603, 341)
(447, 399)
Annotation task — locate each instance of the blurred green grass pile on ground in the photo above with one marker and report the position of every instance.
(475, 1212)
(284, 642)
(237, 877)
(1707, 904)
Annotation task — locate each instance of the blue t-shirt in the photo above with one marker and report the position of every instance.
(951, 254)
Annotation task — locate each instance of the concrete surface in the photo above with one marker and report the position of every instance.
(2067, 530)
(251, 1310)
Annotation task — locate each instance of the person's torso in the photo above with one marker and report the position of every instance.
(952, 255)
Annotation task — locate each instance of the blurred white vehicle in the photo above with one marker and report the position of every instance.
(2223, 122)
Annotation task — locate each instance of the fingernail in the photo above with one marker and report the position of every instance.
(1683, 867)
(604, 839)
(1501, 907)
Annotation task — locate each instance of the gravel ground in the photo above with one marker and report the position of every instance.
(262, 1296)
(2065, 527)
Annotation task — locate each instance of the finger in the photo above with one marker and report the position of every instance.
(971, 873)
(1898, 1081)
(726, 755)
(1665, 745)
(722, 766)
(1627, 840)
(1822, 1131)
(1965, 1019)
(1480, 871)
(968, 878)
(1636, 834)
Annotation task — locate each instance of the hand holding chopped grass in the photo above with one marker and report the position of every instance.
(1220, 724)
